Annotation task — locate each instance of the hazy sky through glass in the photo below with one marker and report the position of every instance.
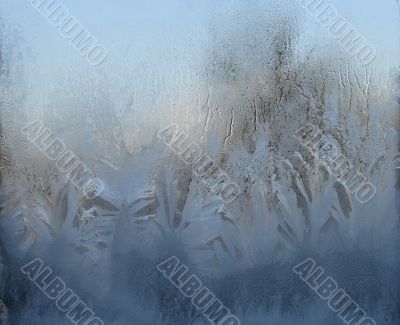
(140, 30)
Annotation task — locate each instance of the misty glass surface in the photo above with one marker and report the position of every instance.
(238, 80)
